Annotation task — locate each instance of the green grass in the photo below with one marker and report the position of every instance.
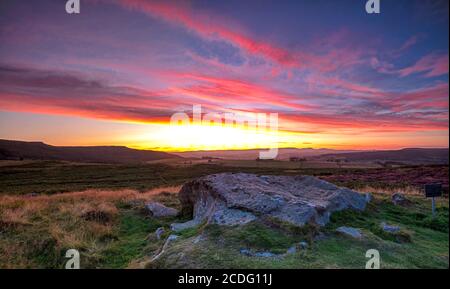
(219, 246)
(256, 236)
(130, 243)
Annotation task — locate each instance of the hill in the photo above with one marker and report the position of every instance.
(252, 154)
(17, 150)
(406, 156)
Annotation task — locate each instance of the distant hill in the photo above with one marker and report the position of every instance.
(406, 156)
(252, 154)
(15, 150)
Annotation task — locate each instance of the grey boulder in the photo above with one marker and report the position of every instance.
(159, 210)
(239, 198)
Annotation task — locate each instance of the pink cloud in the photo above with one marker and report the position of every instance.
(409, 43)
(433, 64)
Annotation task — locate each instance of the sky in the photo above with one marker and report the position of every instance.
(116, 73)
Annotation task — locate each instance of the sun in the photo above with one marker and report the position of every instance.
(216, 137)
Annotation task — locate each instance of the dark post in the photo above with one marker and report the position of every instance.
(432, 191)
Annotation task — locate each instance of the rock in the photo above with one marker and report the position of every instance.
(389, 228)
(265, 254)
(177, 227)
(159, 210)
(233, 217)
(239, 198)
(197, 239)
(172, 238)
(245, 252)
(349, 231)
(399, 199)
(320, 237)
(159, 232)
(303, 245)
(291, 250)
(136, 203)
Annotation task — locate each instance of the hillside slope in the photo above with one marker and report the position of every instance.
(407, 155)
(101, 154)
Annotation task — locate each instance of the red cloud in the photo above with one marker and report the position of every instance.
(231, 91)
(203, 26)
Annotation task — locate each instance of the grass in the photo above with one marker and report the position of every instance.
(108, 231)
(50, 177)
(131, 240)
(416, 246)
(98, 209)
(255, 236)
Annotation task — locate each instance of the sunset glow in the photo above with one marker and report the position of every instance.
(118, 71)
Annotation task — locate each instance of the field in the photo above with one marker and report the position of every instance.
(47, 207)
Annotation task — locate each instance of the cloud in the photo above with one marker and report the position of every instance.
(29, 89)
(363, 108)
(211, 29)
(409, 43)
(235, 92)
(433, 64)
(382, 66)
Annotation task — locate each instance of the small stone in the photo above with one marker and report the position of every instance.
(159, 232)
(136, 203)
(245, 252)
(349, 231)
(197, 239)
(303, 245)
(399, 199)
(159, 210)
(292, 250)
(172, 238)
(319, 237)
(390, 228)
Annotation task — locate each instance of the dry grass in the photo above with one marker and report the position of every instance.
(411, 191)
(82, 220)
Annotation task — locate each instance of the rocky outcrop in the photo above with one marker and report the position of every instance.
(238, 198)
